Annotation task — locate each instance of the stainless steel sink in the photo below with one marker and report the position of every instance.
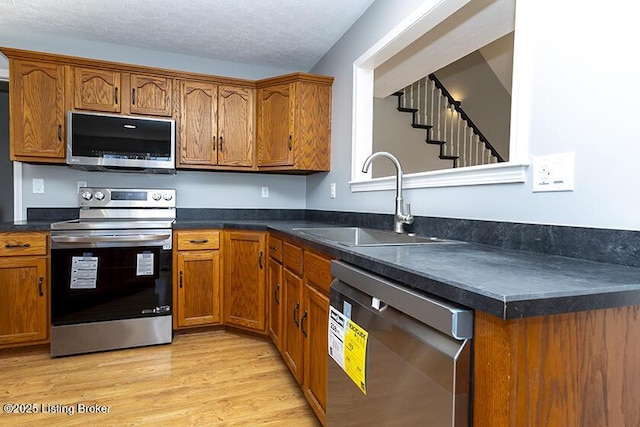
(357, 236)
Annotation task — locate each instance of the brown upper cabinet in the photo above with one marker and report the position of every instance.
(115, 92)
(216, 126)
(294, 123)
(36, 103)
(281, 124)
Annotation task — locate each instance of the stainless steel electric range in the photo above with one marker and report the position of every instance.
(111, 271)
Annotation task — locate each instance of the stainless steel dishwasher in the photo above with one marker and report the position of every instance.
(397, 357)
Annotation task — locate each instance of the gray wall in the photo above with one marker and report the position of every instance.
(563, 75)
(6, 169)
(195, 189)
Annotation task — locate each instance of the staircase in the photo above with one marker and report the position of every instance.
(434, 109)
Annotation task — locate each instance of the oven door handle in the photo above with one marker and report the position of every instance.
(111, 239)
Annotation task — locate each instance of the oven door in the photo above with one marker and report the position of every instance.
(104, 275)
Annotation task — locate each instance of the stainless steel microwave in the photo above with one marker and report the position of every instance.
(97, 141)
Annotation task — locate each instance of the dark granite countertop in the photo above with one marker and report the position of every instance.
(25, 225)
(506, 283)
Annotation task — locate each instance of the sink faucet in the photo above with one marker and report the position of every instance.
(400, 217)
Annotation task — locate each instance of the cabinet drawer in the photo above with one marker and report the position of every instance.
(23, 243)
(275, 248)
(292, 258)
(197, 240)
(317, 271)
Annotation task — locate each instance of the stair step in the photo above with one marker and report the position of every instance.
(419, 126)
(435, 142)
(408, 110)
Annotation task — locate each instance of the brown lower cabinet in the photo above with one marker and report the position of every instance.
(24, 290)
(244, 289)
(196, 278)
(301, 302)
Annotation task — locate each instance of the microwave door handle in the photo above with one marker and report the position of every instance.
(112, 239)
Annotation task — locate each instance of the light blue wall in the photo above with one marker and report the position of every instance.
(195, 189)
(580, 90)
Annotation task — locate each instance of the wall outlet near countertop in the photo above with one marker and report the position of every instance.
(554, 172)
(265, 192)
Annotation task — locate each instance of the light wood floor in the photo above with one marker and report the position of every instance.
(214, 378)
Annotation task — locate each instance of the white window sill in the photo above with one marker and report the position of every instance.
(498, 173)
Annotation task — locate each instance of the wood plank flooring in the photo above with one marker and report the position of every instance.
(212, 378)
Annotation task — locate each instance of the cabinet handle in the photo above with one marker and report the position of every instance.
(40, 291)
(59, 132)
(198, 242)
(180, 278)
(276, 290)
(260, 260)
(304, 316)
(220, 142)
(19, 245)
(273, 248)
(290, 146)
(133, 96)
(115, 91)
(295, 313)
(214, 144)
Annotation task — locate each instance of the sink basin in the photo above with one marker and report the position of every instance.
(357, 236)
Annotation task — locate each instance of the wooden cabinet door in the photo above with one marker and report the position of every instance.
(24, 296)
(235, 126)
(275, 126)
(197, 139)
(151, 95)
(96, 90)
(244, 284)
(274, 301)
(198, 294)
(314, 327)
(292, 344)
(37, 111)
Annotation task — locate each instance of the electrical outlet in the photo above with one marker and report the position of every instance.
(38, 185)
(265, 192)
(81, 184)
(333, 190)
(554, 172)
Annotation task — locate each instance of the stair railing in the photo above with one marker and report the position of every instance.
(447, 124)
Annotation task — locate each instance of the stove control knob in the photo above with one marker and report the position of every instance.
(99, 195)
(86, 195)
(167, 196)
(156, 196)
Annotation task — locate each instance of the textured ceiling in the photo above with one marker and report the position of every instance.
(282, 33)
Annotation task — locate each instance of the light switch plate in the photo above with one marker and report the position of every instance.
(265, 192)
(553, 172)
(38, 185)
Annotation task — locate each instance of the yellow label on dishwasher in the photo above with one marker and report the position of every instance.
(348, 347)
(355, 354)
